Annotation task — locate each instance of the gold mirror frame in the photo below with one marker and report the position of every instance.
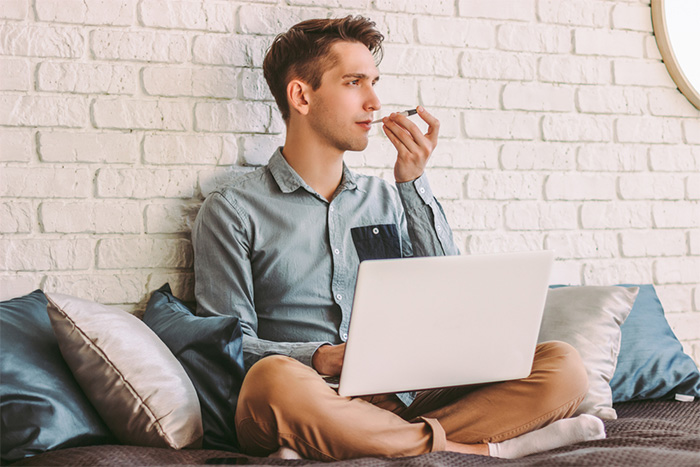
(663, 40)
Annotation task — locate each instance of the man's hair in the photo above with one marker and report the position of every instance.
(304, 52)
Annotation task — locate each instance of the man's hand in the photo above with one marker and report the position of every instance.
(414, 148)
(328, 359)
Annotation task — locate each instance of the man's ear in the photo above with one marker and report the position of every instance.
(298, 96)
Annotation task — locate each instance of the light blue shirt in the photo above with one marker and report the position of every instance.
(271, 251)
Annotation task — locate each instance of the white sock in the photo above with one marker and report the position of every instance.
(560, 433)
(285, 453)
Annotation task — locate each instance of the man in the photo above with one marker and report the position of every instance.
(280, 247)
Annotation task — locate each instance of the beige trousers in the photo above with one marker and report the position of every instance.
(286, 403)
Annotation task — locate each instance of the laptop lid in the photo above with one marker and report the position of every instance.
(421, 323)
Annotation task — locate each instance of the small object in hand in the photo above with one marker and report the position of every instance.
(407, 113)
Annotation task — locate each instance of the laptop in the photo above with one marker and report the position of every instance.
(422, 323)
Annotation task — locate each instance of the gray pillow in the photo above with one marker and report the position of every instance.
(589, 318)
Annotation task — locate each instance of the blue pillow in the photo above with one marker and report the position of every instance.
(652, 364)
(42, 406)
(210, 350)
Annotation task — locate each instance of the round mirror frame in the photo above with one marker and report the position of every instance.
(658, 17)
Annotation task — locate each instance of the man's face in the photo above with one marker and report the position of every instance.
(342, 107)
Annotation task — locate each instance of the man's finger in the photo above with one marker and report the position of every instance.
(433, 124)
(402, 134)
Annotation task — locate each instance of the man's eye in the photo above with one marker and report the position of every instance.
(355, 82)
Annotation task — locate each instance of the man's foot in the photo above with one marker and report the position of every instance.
(285, 453)
(560, 433)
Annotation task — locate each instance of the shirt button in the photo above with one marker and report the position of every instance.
(421, 190)
(332, 209)
(336, 251)
(375, 231)
(339, 297)
(438, 228)
(344, 336)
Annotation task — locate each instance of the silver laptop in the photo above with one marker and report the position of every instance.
(420, 323)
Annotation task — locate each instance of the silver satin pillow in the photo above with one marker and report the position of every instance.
(589, 318)
(132, 379)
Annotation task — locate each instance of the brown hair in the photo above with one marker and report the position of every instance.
(303, 52)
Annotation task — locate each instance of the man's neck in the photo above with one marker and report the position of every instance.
(320, 166)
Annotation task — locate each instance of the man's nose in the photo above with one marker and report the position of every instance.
(373, 102)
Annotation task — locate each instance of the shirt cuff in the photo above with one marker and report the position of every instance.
(305, 352)
(416, 191)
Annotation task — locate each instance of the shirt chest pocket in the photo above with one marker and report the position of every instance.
(377, 241)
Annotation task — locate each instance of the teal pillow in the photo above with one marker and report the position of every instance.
(41, 405)
(652, 364)
(210, 350)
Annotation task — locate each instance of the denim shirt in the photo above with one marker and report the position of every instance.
(271, 251)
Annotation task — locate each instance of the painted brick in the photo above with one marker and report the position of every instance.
(234, 50)
(210, 180)
(141, 114)
(632, 17)
(617, 271)
(608, 43)
(450, 122)
(518, 10)
(141, 252)
(16, 217)
(538, 156)
(38, 254)
(627, 215)
(18, 285)
(32, 110)
(189, 149)
(139, 46)
(693, 186)
(202, 16)
(525, 38)
(93, 12)
(575, 13)
(566, 272)
(254, 88)
(538, 97)
(648, 130)
(651, 186)
(90, 217)
(580, 245)
(613, 157)
(541, 216)
(576, 128)
(271, 20)
(86, 78)
(684, 325)
(691, 131)
(473, 215)
(694, 242)
(500, 125)
(170, 218)
(468, 154)
(653, 243)
(173, 81)
(420, 61)
(431, 7)
(102, 288)
(16, 75)
(675, 298)
(460, 93)
(457, 32)
(677, 270)
(182, 284)
(382, 154)
(145, 183)
(397, 28)
(14, 9)
(651, 48)
(40, 182)
(641, 73)
(40, 41)
(575, 70)
(611, 100)
(503, 185)
(497, 65)
(61, 146)
(257, 149)
(676, 215)
(671, 103)
(446, 184)
(503, 242)
(246, 117)
(578, 186)
(15, 145)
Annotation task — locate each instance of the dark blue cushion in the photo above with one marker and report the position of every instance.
(42, 406)
(210, 351)
(652, 364)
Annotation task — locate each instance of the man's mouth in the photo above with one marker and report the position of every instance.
(365, 124)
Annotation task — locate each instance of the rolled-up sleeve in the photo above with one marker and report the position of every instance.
(224, 278)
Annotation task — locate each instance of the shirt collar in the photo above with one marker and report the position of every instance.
(288, 180)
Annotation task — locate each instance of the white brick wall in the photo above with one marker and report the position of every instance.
(561, 129)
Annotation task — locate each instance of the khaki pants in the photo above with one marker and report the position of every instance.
(286, 403)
